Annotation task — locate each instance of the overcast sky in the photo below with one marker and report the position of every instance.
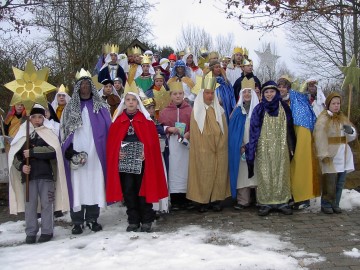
(168, 17)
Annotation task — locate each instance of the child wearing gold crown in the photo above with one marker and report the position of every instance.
(333, 130)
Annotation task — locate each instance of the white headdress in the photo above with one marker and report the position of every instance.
(140, 107)
(200, 111)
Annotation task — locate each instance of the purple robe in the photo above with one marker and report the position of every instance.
(100, 123)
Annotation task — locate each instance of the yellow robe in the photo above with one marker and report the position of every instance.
(305, 180)
(208, 165)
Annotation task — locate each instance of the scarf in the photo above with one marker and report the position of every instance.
(71, 117)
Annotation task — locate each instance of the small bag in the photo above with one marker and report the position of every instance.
(78, 160)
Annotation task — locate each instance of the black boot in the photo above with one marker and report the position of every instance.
(94, 226)
(45, 238)
(30, 239)
(77, 229)
(132, 228)
(146, 227)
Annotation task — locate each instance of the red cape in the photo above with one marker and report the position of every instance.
(153, 186)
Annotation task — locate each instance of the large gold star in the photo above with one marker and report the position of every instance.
(30, 86)
(352, 75)
(162, 98)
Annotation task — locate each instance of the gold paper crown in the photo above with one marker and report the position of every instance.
(238, 50)
(247, 62)
(131, 88)
(158, 75)
(145, 60)
(176, 86)
(112, 48)
(209, 83)
(248, 83)
(82, 74)
(63, 89)
(203, 50)
(246, 52)
(213, 55)
(147, 102)
(129, 51)
(181, 53)
(286, 77)
(136, 50)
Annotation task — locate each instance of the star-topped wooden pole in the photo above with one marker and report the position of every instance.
(29, 87)
(351, 80)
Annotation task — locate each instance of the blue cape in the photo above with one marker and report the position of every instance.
(236, 135)
(226, 94)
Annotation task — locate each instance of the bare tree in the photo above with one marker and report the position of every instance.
(12, 14)
(78, 29)
(323, 44)
(224, 44)
(195, 38)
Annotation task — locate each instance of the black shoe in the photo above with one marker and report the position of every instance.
(264, 211)
(132, 228)
(217, 208)
(146, 227)
(286, 210)
(45, 238)
(337, 210)
(175, 207)
(190, 206)
(327, 210)
(94, 226)
(58, 214)
(30, 239)
(77, 229)
(203, 208)
(239, 206)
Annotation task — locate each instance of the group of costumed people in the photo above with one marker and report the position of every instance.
(166, 134)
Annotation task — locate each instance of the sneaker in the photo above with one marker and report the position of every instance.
(77, 229)
(146, 227)
(264, 211)
(30, 239)
(327, 210)
(94, 226)
(132, 228)
(239, 206)
(286, 210)
(45, 238)
(337, 210)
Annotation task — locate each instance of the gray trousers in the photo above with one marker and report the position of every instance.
(243, 195)
(45, 190)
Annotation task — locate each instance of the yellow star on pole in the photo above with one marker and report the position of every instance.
(352, 75)
(30, 86)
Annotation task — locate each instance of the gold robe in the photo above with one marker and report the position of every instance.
(208, 165)
(273, 161)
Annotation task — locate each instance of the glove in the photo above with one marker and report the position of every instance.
(348, 129)
(70, 152)
(327, 160)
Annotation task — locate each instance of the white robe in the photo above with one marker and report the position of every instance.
(87, 181)
(178, 165)
(233, 74)
(243, 180)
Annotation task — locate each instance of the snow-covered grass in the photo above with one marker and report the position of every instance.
(190, 247)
